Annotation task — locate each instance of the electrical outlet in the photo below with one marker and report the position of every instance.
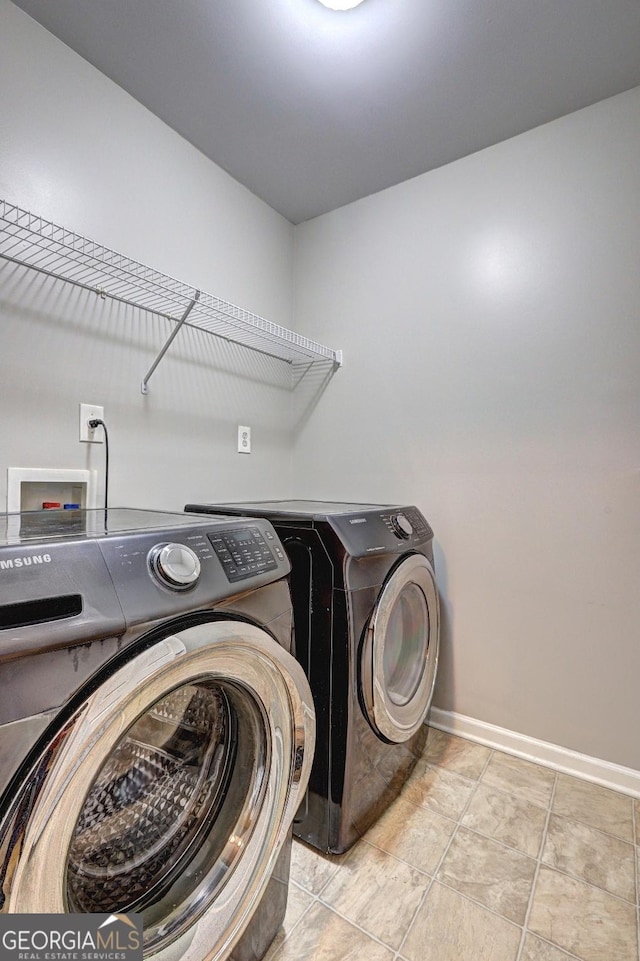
(244, 440)
(90, 412)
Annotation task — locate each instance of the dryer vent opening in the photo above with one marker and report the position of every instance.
(164, 813)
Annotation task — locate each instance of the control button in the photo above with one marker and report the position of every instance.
(174, 565)
(401, 526)
(245, 553)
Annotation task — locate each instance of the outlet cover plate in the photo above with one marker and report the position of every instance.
(244, 440)
(89, 412)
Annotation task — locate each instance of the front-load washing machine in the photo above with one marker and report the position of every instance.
(366, 619)
(156, 734)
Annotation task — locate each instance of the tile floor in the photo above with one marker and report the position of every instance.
(483, 857)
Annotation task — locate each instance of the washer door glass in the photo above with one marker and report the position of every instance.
(400, 651)
(160, 811)
(170, 792)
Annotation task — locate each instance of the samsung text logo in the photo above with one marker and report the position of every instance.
(357, 520)
(30, 560)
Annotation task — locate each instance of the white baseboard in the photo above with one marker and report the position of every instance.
(614, 776)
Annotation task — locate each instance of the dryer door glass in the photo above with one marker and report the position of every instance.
(406, 644)
(169, 792)
(400, 651)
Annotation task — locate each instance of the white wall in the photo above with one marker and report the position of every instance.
(490, 321)
(490, 316)
(77, 150)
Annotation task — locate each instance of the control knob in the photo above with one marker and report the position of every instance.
(401, 526)
(174, 565)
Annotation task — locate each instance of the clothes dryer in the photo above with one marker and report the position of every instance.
(367, 627)
(156, 734)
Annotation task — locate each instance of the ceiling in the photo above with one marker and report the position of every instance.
(312, 108)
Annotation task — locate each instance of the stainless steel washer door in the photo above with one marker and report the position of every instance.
(170, 792)
(400, 651)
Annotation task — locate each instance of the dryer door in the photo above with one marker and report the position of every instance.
(169, 792)
(400, 651)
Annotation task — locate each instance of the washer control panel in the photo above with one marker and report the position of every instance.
(194, 565)
(175, 565)
(246, 551)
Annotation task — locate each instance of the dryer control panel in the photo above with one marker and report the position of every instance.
(374, 532)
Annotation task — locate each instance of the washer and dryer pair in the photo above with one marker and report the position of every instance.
(156, 734)
(366, 620)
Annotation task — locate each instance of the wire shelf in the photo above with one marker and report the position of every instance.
(34, 242)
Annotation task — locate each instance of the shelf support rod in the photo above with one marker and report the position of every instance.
(143, 387)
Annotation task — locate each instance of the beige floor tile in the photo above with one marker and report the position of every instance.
(298, 902)
(484, 870)
(519, 777)
(323, 936)
(583, 919)
(534, 949)
(594, 805)
(310, 869)
(594, 857)
(438, 789)
(456, 754)
(412, 833)
(506, 818)
(377, 892)
(449, 927)
(583, 905)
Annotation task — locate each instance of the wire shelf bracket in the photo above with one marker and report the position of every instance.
(169, 341)
(31, 241)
